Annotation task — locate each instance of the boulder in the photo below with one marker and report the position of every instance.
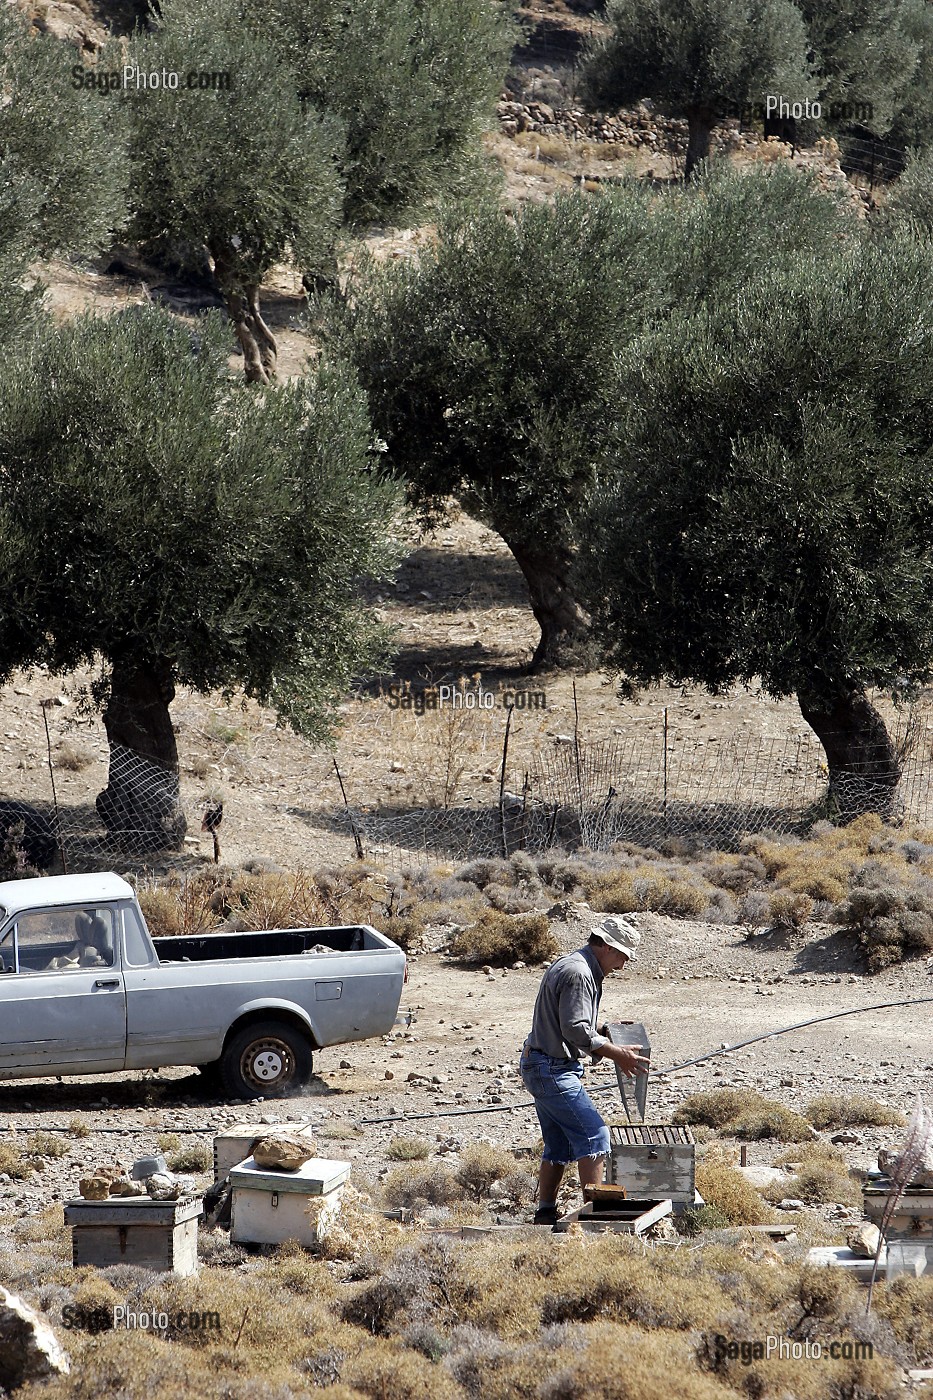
(64, 21)
(283, 1152)
(29, 1349)
(863, 1240)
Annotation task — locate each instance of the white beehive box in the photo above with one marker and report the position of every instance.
(270, 1207)
(236, 1144)
(653, 1161)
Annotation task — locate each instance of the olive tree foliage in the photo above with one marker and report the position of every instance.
(413, 84)
(158, 519)
(62, 165)
(866, 55)
(771, 514)
(489, 369)
(492, 362)
(697, 59)
(249, 172)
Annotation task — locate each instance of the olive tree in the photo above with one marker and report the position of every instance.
(492, 362)
(771, 514)
(698, 59)
(62, 164)
(160, 521)
(241, 167)
(867, 53)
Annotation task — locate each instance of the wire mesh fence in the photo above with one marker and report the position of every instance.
(90, 806)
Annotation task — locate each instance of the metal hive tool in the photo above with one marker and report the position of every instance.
(634, 1091)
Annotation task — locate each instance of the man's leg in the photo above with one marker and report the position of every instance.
(591, 1170)
(550, 1176)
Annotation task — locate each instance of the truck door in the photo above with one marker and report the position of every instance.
(62, 1000)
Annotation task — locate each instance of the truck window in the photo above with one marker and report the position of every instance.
(136, 951)
(64, 940)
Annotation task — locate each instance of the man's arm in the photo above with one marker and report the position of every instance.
(577, 1015)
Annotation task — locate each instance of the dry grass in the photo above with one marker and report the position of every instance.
(72, 757)
(13, 1163)
(78, 1128)
(408, 1149)
(193, 1157)
(726, 1190)
(743, 1113)
(851, 1111)
(481, 1165)
(822, 1176)
(419, 1186)
(43, 1144)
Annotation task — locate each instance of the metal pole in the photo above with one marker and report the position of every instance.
(44, 706)
(505, 754)
(353, 828)
(664, 808)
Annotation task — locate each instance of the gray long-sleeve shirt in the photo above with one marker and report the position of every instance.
(564, 1020)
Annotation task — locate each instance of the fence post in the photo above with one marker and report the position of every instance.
(505, 754)
(353, 827)
(664, 804)
(44, 706)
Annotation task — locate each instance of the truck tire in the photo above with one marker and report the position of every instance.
(267, 1059)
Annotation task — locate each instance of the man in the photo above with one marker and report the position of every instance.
(563, 1029)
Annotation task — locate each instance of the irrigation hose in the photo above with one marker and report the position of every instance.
(657, 1073)
(606, 1088)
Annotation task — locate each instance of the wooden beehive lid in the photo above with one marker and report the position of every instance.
(650, 1135)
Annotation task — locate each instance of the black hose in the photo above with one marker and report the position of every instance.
(657, 1073)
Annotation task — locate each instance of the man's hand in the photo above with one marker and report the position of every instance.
(627, 1057)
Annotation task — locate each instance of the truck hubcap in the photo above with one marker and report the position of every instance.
(267, 1062)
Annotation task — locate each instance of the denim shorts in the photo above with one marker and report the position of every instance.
(570, 1124)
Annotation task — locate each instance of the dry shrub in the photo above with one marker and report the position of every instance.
(425, 1185)
(408, 1149)
(663, 894)
(385, 1372)
(822, 1176)
(661, 889)
(481, 1165)
(78, 1128)
(195, 1157)
(743, 1113)
(726, 1190)
(807, 1379)
(907, 1304)
(44, 1144)
(72, 757)
(890, 922)
(736, 874)
(13, 1163)
(628, 1363)
(789, 910)
(501, 938)
(852, 1111)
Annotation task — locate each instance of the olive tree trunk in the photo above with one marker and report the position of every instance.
(700, 123)
(140, 806)
(257, 342)
(864, 769)
(564, 623)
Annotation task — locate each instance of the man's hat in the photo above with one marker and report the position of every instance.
(618, 934)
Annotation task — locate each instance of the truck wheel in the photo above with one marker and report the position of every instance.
(269, 1058)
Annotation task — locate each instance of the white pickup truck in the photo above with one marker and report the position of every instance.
(85, 989)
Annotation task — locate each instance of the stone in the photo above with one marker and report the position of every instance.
(863, 1240)
(94, 1188)
(846, 1139)
(163, 1187)
(283, 1152)
(64, 21)
(29, 1349)
(790, 1203)
(124, 1187)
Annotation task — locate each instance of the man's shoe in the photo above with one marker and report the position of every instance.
(545, 1215)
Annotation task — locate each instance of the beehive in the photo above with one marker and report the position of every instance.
(653, 1161)
(160, 1235)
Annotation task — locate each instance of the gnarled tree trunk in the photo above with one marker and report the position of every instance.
(564, 623)
(700, 123)
(257, 342)
(140, 805)
(863, 767)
